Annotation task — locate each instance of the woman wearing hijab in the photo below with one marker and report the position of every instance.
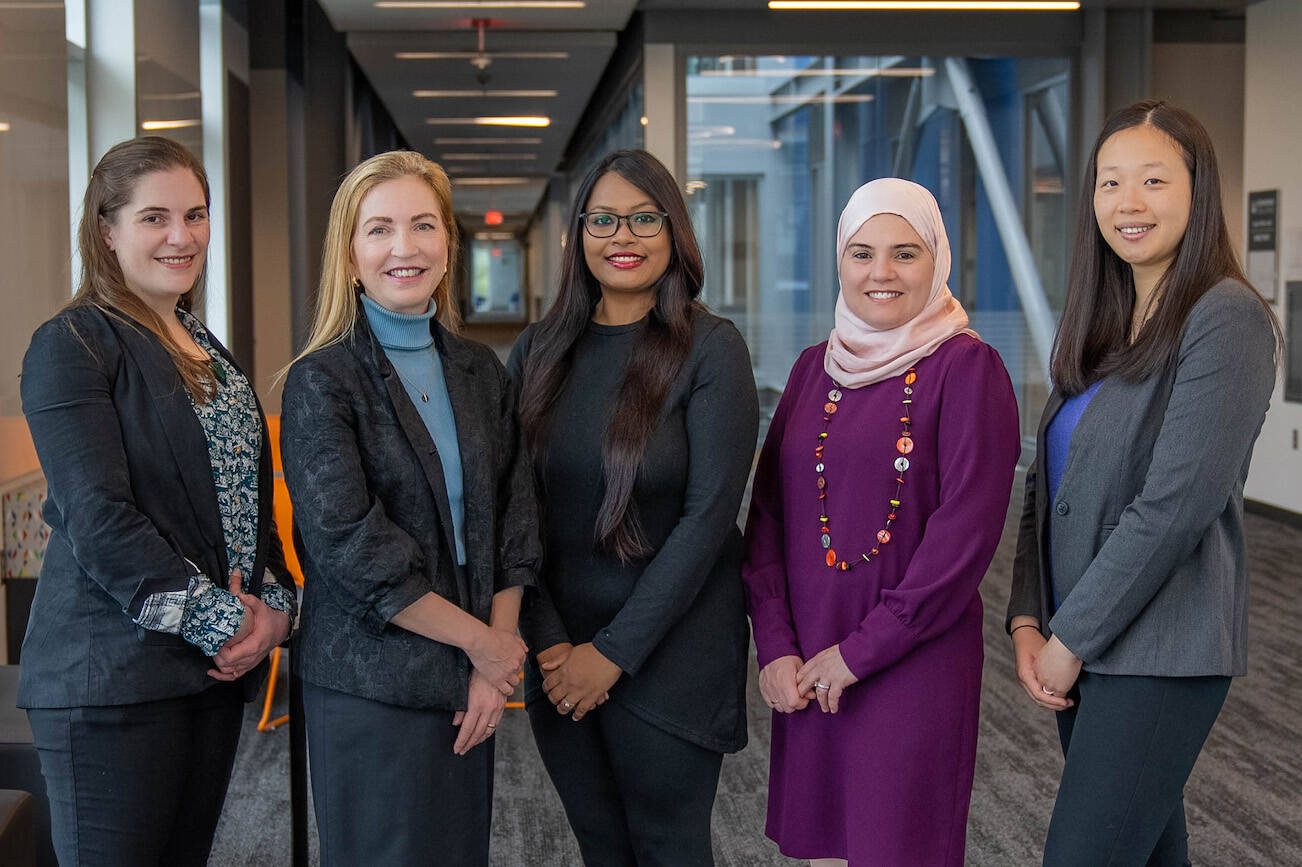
(878, 502)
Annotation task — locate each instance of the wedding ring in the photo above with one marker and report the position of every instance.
(491, 726)
(1046, 689)
(818, 684)
(566, 704)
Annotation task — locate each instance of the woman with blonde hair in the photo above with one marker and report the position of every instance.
(164, 586)
(413, 501)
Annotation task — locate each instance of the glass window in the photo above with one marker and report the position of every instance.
(496, 277)
(776, 145)
(34, 234)
(168, 101)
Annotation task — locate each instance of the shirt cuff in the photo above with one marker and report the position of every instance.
(280, 598)
(211, 616)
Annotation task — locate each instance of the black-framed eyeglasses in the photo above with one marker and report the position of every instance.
(643, 224)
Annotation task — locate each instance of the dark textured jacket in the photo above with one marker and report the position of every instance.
(1145, 538)
(372, 520)
(131, 498)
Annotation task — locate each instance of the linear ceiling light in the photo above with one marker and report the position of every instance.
(494, 236)
(159, 97)
(490, 156)
(170, 124)
(781, 99)
(869, 72)
(459, 140)
(527, 120)
(924, 5)
(491, 182)
(471, 55)
(480, 4)
(454, 94)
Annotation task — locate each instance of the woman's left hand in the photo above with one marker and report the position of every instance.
(483, 714)
(270, 628)
(582, 682)
(1057, 668)
(825, 677)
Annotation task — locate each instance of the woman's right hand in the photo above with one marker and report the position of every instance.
(498, 655)
(777, 684)
(1027, 644)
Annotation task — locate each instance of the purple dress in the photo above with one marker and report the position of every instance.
(886, 780)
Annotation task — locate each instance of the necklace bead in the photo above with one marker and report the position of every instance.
(903, 445)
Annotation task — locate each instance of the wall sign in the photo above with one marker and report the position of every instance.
(1263, 241)
(1293, 341)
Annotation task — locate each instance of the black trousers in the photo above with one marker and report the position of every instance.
(635, 795)
(138, 784)
(1130, 743)
(388, 790)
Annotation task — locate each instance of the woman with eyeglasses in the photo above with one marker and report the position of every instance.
(641, 411)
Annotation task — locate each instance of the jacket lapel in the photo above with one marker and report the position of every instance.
(1042, 499)
(181, 426)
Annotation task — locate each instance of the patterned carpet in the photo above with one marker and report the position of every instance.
(1244, 801)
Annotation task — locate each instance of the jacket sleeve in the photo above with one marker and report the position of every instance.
(540, 622)
(764, 573)
(978, 445)
(371, 567)
(519, 549)
(67, 396)
(722, 424)
(1024, 596)
(1224, 378)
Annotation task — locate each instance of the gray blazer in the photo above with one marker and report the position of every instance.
(1147, 548)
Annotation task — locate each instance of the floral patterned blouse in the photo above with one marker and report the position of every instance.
(206, 614)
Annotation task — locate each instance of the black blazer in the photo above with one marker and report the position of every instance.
(131, 498)
(373, 524)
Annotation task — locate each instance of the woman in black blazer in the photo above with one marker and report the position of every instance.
(414, 505)
(1128, 609)
(164, 587)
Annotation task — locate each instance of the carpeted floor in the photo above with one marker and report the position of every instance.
(1244, 799)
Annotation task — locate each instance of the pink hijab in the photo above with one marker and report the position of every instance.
(858, 354)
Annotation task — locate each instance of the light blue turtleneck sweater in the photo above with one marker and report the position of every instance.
(409, 344)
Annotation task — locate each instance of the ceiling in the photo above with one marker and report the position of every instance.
(506, 168)
(503, 168)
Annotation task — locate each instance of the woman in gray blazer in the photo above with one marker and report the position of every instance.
(1129, 607)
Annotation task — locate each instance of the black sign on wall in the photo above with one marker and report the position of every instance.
(1293, 341)
(1263, 241)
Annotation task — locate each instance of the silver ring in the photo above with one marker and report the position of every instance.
(818, 684)
(1046, 689)
(491, 726)
(566, 704)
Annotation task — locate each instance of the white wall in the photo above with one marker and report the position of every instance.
(1272, 137)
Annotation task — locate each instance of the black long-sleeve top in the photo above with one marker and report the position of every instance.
(675, 621)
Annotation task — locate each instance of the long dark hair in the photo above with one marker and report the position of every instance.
(1094, 336)
(658, 354)
(102, 285)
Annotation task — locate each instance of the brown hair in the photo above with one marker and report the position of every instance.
(102, 285)
(336, 300)
(1094, 335)
(658, 355)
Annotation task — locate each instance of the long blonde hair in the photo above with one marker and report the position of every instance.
(336, 301)
(102, 285)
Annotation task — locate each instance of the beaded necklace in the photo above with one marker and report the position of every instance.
(903, 445)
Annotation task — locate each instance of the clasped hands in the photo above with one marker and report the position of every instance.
(496, 657)
(261, 629)
(1047, 670)
(577, 678)
(788, 684)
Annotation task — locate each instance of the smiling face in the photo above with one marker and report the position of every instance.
(886, 272)
(624, 263)
(400, 245)
(1142, 196)
(160, 237)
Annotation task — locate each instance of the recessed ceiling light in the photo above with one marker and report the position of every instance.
(4, 126)
(471, 55)
(462, 140)
(490, 156)
(453, 94)
(924, 5)
(480, 4)
(491, 182)
(170, 124)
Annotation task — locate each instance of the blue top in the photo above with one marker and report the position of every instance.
(409, 345)
(1057, 447)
